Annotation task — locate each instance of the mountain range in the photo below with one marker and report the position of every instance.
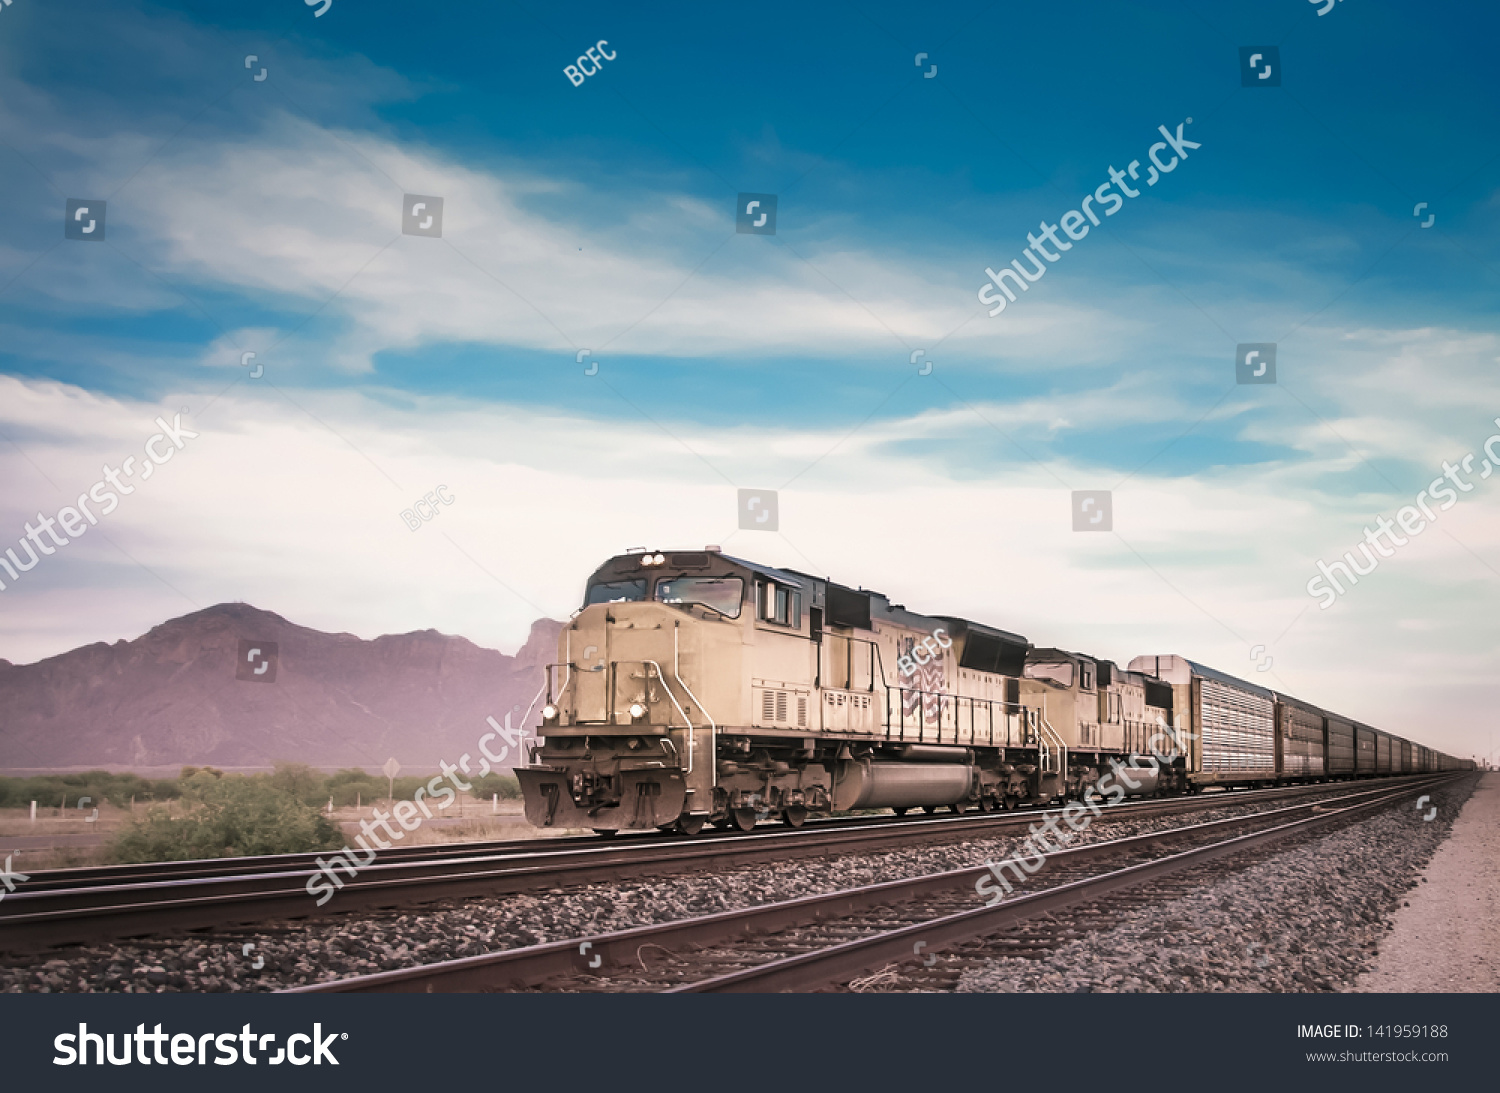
(235, 686)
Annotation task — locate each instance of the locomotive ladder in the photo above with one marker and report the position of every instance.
(1051, 749)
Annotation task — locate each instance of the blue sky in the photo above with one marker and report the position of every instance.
(265, 217)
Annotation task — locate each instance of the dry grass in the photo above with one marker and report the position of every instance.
(465, 820)
(31, 846)
(55, 821)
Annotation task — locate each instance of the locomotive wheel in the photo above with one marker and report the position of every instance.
(794, 816)
(1010, 803)
(958, 807)
(899, 810)
(744, 818)
(931, 810)
(689, 824)
(986, 804)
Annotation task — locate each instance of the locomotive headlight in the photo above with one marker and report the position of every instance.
(660, 559)
(637, 711)
(549, 713)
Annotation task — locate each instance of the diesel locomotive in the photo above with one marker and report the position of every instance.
(695, 688)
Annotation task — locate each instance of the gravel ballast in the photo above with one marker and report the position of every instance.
(303, 952)
(1309, 919)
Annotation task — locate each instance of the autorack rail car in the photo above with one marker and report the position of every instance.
(1364, 749)
(694, 687)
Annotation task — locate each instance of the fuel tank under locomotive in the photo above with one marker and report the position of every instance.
(896, 783)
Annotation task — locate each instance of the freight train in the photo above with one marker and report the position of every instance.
(695, 688)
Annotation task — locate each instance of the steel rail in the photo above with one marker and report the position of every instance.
(206, 868)
(519, 968)
(838, 964)
(31, 920)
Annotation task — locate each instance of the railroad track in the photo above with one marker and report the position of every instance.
(917, 923)
(208, 868)
(66, 907)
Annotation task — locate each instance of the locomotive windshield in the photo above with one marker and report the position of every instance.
(616, 592)
(723, 594)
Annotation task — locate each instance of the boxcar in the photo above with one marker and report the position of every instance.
(1382, 752)
(1234, 721)
(1339, 745)
(1364, 749)
(1300, 738)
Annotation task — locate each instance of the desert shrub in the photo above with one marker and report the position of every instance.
(405, 788)
(229, 816)
(347, 775)
(50, 790)
(300, 781)
(165, 789)
(352, 786)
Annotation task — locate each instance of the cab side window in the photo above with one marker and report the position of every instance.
(777, 603)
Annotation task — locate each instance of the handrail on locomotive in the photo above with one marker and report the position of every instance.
(1035, 730)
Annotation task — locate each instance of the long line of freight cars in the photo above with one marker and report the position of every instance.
(1247, 732)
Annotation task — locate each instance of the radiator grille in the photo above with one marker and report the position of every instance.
(778, 707)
